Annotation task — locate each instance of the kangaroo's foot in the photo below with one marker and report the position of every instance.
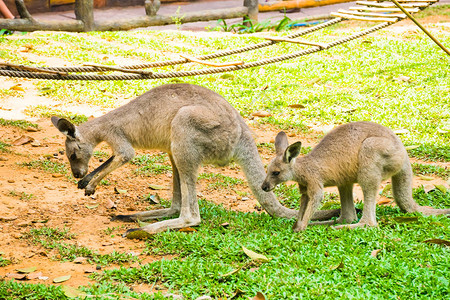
(326, 214)
(157, 227)
(147, 215)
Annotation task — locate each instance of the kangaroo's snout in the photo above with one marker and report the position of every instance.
(266, 186)
(78, 174)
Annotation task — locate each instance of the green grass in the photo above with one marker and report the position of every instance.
(220, 181)
(421, 169)
(17, 123)
(47, 165)
(51, 238)
(4, 147)
(44, 111)
(151, 164)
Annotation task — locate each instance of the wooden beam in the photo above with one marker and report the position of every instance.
(281, 5)
(385, 5)
(29, 25)
(371, 14)
(370, 19)
(382, 9)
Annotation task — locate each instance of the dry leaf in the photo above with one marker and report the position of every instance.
(16, 276)
(261, 114)
(157, 187)
(403, 78)
(26, 270)
(117, 191)
(22, 140)
(427, 178)
(296, 106)
(61, 279)
(314, 81)
(35, 275)
(384, 201)
(254, 255)
(110, 204)
(259, 296)
(153, 199)
(411, 147)
(91, 206)
(428, 188)
(340, 266)
(401, 131)
(72, 292)
(438, 242)
(374, 253)
(225, 225)
(17, 87)
(442, 188)
(139, 235)
(90, 270)
(80, 260)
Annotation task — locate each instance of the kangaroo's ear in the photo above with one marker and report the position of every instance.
(292, 151)
(281, 143)
(66, 128)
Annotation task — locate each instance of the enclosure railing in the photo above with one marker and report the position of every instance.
(84, 13)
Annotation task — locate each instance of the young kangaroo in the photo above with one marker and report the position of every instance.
(362, 152)
(193, 125)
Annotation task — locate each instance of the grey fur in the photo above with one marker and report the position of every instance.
(361, 152)
(193, 125)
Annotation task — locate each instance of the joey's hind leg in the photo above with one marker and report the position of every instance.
(174, 209)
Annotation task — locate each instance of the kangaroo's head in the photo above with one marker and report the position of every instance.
(78, 151)
(280, 169)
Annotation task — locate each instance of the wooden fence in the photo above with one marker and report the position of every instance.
(84, 12)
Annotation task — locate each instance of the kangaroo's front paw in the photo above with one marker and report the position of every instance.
(83, 183)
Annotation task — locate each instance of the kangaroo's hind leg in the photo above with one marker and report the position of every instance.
(174, 209)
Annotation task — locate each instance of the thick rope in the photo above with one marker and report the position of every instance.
(204, 57)
(194, 72)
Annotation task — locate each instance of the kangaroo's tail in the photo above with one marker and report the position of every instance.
(402, 190)
(247, 156)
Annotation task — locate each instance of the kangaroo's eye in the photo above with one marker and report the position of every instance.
(275, 173)
(73, 157)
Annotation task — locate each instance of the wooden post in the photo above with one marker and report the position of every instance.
(84, 11)
(252, 6)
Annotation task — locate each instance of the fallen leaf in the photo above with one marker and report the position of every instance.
(35, 275)
(314, 81)
(259, 296)
(227, 76)
(261, 114)
(264, 87)
(24, 139)
(427, 178)
(237, 293)
(157, 187)
(92, 206)
(374, 253)
(428, 188)
(406, 219)
(339, 266)
(187, 229)
(90, 270)
(387, 188)
(232, 272)
(442, 188)
(26, 270)
(153, 199)
(16, 276)
(296, 106)
(411, 147)
(254, 255)
(438, 242)
(61, 279)
(17, 87)
(117, 191)
(384, 201)
(225, 225)
(80, 260)
(72, 292)
(110, 205)
(403, 78)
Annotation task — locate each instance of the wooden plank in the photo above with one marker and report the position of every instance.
(385, 5)
(371, 14)
(382, 9)
(280, 39)
(211, 64)
(370, 19)
(281, 5)
(60, 2)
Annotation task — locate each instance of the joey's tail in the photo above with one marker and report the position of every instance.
(402, 190)
(248, 157)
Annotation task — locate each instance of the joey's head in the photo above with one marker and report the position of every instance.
(78, 151)
(280, 169)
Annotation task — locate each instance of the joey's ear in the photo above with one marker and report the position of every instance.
(66, 128)
(292, 151)
(281, 143)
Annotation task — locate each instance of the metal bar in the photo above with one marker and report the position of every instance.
(421, 27)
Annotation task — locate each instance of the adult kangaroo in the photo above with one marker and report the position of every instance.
(193, 125)
(361, 152)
